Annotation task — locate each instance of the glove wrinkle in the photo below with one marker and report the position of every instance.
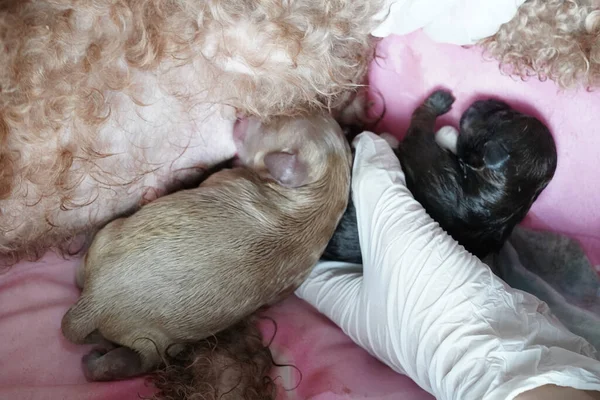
(427, 308)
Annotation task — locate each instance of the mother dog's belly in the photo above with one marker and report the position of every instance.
(144, 147)
(153, 148)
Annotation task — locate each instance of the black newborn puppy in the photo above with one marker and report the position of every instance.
(479, 187)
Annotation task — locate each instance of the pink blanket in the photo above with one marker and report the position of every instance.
(37, 363)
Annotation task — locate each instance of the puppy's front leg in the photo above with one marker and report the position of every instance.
(423, 118)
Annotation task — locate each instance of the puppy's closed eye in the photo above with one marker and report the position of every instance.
(495, 155)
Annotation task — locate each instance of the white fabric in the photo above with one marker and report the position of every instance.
(431, 310)
(461, 22)
(579, 320)
(447, 138)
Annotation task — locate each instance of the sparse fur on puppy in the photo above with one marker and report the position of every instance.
(503, 161)
(551, 39)
(194, 263)
(106, 101)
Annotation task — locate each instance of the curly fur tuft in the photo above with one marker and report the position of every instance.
(73, 73)
(551, 39)
(232, 365)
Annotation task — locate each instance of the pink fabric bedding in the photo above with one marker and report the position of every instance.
(37, 363)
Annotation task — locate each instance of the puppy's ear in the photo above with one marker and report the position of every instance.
(286, 168)
(495, 155)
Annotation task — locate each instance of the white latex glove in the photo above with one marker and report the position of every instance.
(429, 309)
(460, 22)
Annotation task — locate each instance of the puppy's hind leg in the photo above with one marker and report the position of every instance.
(79, 323)
(136, 355)
(80, 272)
(122, 362)
(116, 364)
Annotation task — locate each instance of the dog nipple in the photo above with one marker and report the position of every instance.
(240, 128)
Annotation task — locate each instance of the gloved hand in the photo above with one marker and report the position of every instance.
(460, 22)
(429, 309)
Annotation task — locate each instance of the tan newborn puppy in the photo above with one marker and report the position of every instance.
(193, 263)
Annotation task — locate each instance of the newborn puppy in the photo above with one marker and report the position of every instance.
(196, 262)
(477, 185)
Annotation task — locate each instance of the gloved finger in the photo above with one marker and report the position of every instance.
(387, 212)
(374, 155)
(335, 289)
(427, 307)
(377, 181)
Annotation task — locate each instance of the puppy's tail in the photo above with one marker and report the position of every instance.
(80, 321)
(232, 365)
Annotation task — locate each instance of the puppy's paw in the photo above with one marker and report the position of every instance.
(116, 364)
(440, 101)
